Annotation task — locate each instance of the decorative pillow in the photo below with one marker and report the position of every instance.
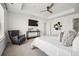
(55, 33)
(75, 44)
(58, 34)
(15, 38)
(68, 38)
(61, 36)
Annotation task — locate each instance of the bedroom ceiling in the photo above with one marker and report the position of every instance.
(35, 8)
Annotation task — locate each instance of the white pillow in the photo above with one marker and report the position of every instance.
(75, 44)
(58, 34)
(55, 33)
(78, 33)
(68, 37)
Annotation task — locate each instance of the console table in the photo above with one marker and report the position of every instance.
(32, 34)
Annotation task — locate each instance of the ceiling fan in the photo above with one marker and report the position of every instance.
(48, 8)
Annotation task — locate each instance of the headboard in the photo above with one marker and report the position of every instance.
(76, 24)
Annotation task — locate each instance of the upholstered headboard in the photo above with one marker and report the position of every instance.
(76, 24)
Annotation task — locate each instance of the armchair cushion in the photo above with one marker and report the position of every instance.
(21, 38)
(15, 38)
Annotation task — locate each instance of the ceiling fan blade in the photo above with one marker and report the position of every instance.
(43, 10)
(48, 8)
(51, 5)
(50, 11)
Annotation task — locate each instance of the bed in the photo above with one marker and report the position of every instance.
(52, 47)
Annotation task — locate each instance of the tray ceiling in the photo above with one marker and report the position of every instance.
(35, 8)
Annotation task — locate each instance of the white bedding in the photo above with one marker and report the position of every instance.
(52, 47)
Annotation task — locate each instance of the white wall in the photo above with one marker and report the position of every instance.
(66, 21)
(1, 20)
(3, 28)
(18, 21)
(5, 20)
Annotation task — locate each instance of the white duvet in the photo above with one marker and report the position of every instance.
(52, 47)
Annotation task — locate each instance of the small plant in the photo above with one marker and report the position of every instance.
(57, 26)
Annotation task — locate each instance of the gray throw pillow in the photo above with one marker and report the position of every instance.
(15, 38)
(68, 37)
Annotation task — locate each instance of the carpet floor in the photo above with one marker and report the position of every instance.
(22, 50)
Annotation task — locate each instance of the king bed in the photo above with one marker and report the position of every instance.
(52, 46)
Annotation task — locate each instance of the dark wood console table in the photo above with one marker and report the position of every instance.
(32, 34)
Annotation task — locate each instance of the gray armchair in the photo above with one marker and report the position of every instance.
(15, 37)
